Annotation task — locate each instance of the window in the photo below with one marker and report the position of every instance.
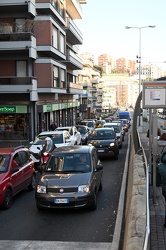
(62, 78)
(54, 37)
(55, 77)
(62, 10)
(62, 43)
(24, 157)
(21, 68)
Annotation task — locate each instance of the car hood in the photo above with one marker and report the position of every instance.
(64, 179)
(34, 149)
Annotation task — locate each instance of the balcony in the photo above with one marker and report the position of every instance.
(51, 8)
(73, 35)
(74, 9)
(11, 85)
(18, 6)
(74, 88)
(72, 61)
(17, 43)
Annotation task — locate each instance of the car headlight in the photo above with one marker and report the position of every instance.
(83, 189)
(112, 144)
(41, 189)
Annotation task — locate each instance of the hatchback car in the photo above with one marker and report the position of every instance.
(84, 131)
(59, 138)
(16, 173)
(71, 178)
(105, 141)
(89, 123)
(75, 134)
(118, 130)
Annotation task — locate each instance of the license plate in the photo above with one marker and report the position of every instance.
(100, 150)
(58, 201)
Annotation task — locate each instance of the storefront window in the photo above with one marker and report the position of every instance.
(14, 126)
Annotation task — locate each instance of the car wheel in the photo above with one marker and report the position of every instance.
(32, 185)
(94, 202)
(7, 203)
(120, 146)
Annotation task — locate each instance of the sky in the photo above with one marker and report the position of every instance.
(103, 28)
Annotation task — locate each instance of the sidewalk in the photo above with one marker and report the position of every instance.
(157, 211)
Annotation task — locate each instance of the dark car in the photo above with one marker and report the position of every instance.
(16, 173)
(84, 131)
(71, 178)
(105, 141)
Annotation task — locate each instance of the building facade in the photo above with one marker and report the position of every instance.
(38, 65)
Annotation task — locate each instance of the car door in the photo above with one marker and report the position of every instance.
(97, 175)
(16, 178)
(27, 167)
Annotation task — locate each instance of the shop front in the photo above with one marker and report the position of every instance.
(14, 122)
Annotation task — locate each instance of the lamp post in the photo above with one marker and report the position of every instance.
(139, 56)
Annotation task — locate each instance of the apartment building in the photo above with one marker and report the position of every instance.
(38, 65)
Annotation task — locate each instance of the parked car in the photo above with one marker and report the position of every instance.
(59, 138)
(84, 131)
(89, 123)
(75, 134)
(16, 173)
(105, 141)
(71, 178)
(118, 130)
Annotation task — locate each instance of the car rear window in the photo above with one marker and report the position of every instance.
(102, 134)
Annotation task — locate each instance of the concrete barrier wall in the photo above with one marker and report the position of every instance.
(135, 212)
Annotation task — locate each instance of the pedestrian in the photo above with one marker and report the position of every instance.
(162, 172)
(53, 126)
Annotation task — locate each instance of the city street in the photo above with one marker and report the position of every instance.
(24, 222)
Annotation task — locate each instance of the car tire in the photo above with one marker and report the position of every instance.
(32, 185)
(120, 146)
(94, 202)
(7, 203)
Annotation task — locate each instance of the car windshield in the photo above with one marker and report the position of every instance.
(102, 135)
(89, 124)
(57, 138)
(4, 163)
(116, 128)
(82, 130)
(68, 129)
(68, 163)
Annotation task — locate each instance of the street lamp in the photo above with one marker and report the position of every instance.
(139, 56)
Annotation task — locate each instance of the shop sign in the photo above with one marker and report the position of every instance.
(7, 109)
(48, 108)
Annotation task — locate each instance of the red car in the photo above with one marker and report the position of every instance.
(16, 173)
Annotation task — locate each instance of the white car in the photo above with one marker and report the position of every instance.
(59, 138)
(118, 130)
(75, 134)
